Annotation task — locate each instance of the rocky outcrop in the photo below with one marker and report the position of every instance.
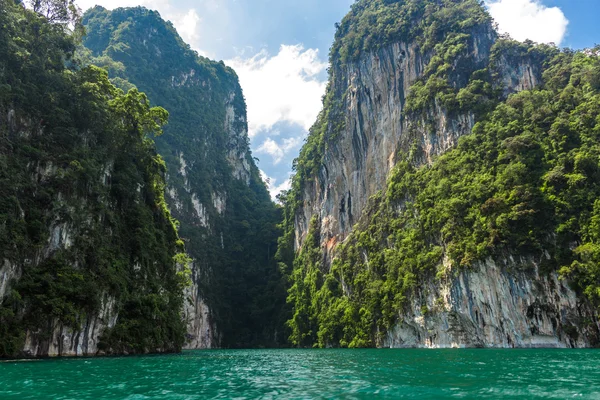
(497, 305)
(68, 342)
(237, 146)
(8, 272)
(515, 74)
(201, 332)
(357, 163)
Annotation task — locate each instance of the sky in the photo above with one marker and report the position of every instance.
(279, 49)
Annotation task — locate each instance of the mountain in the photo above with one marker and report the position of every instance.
(214, 189)
(90, 258)
(447, 194)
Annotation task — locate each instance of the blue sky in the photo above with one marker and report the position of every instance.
(279, 49)
(584, 27)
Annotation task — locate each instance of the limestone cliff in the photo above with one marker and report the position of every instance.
(408, 99)
(90, 259)
(64, 257)
(214, 188)
(378, 131)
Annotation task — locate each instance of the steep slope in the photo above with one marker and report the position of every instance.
(214, 187)
(89, 255)
(433, 206)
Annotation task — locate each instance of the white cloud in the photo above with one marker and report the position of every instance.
(276, 150)
(275, 189)
(285, 87)
(529, 19)
(187, 25)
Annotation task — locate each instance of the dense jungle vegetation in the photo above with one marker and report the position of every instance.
(83, 216)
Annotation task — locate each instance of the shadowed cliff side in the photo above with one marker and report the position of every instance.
(227, 219)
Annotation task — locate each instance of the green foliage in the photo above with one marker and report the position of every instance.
(237, 274)
(57, 12)
(306, 277)
(372, 24)
(82, 210)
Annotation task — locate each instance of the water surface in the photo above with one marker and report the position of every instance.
(305, 374)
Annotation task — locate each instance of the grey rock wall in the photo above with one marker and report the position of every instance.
(201, 332)
(358, 161)
(67, 342)
(496, 304)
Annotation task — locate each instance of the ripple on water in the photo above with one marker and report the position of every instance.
(276, 374)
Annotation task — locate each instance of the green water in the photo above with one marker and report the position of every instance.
(359, 374)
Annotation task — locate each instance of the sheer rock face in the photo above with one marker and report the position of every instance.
(357, 163)
(237, 147)
(204, 212)
(55, 339)
(491, 305)
(67, 342)
(201, 331)
(496, 305)
(58, 340)
(8, 272)
(196, 206)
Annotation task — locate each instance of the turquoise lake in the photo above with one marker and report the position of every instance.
(308, 374)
